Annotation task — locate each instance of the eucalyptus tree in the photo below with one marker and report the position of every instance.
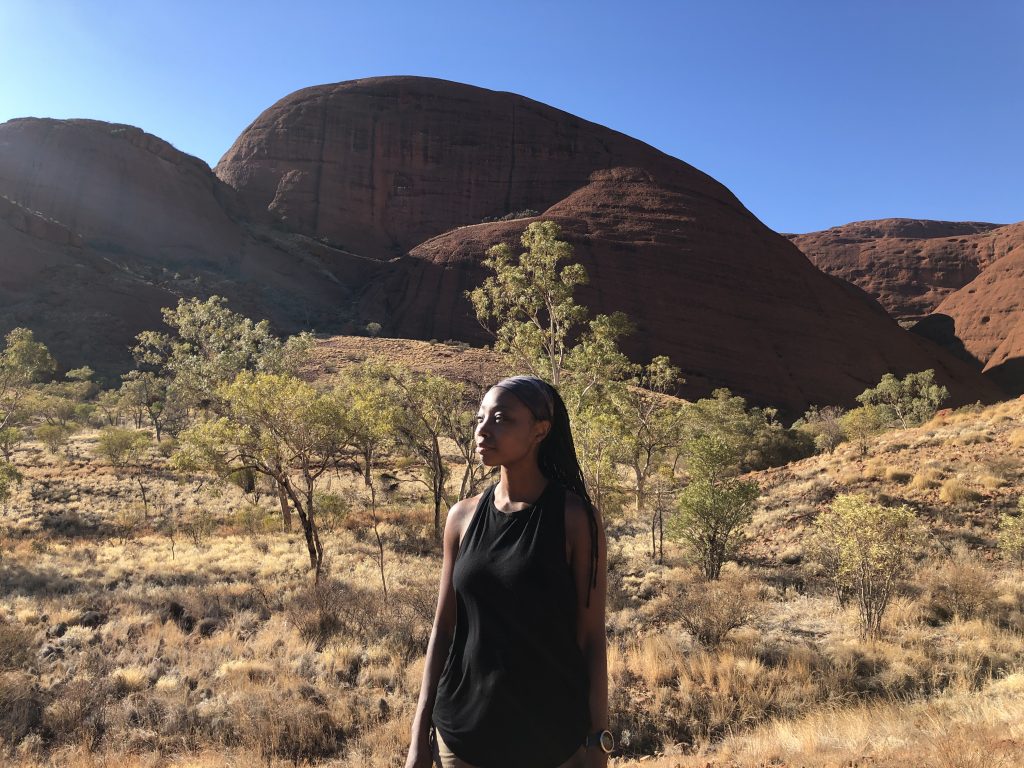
(275, 425)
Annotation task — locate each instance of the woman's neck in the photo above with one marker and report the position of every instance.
(520, 486)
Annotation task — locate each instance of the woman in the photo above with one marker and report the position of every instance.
(516, 672)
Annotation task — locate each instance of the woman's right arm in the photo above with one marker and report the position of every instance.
(440, 639)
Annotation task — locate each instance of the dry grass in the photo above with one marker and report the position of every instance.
(121, 647)
(956, 491)
(897, 475)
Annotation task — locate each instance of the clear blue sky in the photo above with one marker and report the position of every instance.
(814, 113)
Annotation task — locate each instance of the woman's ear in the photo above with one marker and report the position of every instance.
(545, 430)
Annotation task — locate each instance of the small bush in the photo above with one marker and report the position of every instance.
(896, 475)
(21, 707)
(955, 491)
(864, 548)
(959, 589)
(926, 479)
(711, 610)
(17, 647)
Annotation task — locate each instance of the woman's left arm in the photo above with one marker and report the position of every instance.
(590, 624)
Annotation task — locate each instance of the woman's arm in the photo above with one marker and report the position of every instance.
(440, 639)
(590, 623)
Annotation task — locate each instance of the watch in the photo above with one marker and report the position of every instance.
(601, 739)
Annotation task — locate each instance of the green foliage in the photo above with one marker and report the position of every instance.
(54, 436)
(435, 408)
(211, 345)
(147, 393)
(9, 439)
(650, 425)
(276, 425)
(861, 424)
(23, 361)
(529, 298)
(911, 400)
(714, 505)
(374, 409)
(822, 426)
(10, 478)
(121, 447)
(865, 548)
(333, 509)
(755, 434)
(1011, 534)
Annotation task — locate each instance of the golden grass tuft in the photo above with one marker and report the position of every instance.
(956, 491)
(927, 478)
(897, 475)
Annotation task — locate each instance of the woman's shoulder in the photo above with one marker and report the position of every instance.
(577, 518)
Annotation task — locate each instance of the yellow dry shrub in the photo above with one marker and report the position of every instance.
(956, 491)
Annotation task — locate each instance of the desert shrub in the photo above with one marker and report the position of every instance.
(128, 520)
(897, 475)
(17, 647)
(861, 424)
(21, 707)
(909, 401)
(198, 525)
(1011, 534)
(959, 589)
(253, 520)
(54, 436)
(926, 478)
(956, 491)
(331, 510)
(714, 506)
(823, 427)
(286, 724)
(865, 547)
(710, 610)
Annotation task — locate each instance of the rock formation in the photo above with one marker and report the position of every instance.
(909, 265)
(101, 225)
(962, 282)
(375, 200)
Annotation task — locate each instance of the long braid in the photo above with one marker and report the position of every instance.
(557, 453)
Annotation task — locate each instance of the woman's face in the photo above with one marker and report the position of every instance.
(506, 431)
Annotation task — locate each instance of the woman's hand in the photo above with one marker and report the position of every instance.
(420, 755)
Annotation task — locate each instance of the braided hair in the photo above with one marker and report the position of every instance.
(557, 452)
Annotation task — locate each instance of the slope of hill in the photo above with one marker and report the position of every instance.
(192, 636)
(362, 201)
(908, 265)
(103, 224)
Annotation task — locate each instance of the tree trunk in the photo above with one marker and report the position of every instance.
(367, 464)
(661, 535)
(286, 512)
(145, 500)
(380, 542)
(313, 545)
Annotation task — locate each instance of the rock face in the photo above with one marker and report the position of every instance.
(985, 318)
(962, 282)
(363, 201)
(103, 224)
(728, 300)
(379, 165)
(909, 265)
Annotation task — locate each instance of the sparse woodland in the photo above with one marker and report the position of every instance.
(231, 556)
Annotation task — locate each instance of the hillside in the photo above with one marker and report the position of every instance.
(374, 200)
(188, 627)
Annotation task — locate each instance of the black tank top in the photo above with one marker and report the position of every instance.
(514, 691)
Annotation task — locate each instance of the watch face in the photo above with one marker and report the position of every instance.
(607, 742)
